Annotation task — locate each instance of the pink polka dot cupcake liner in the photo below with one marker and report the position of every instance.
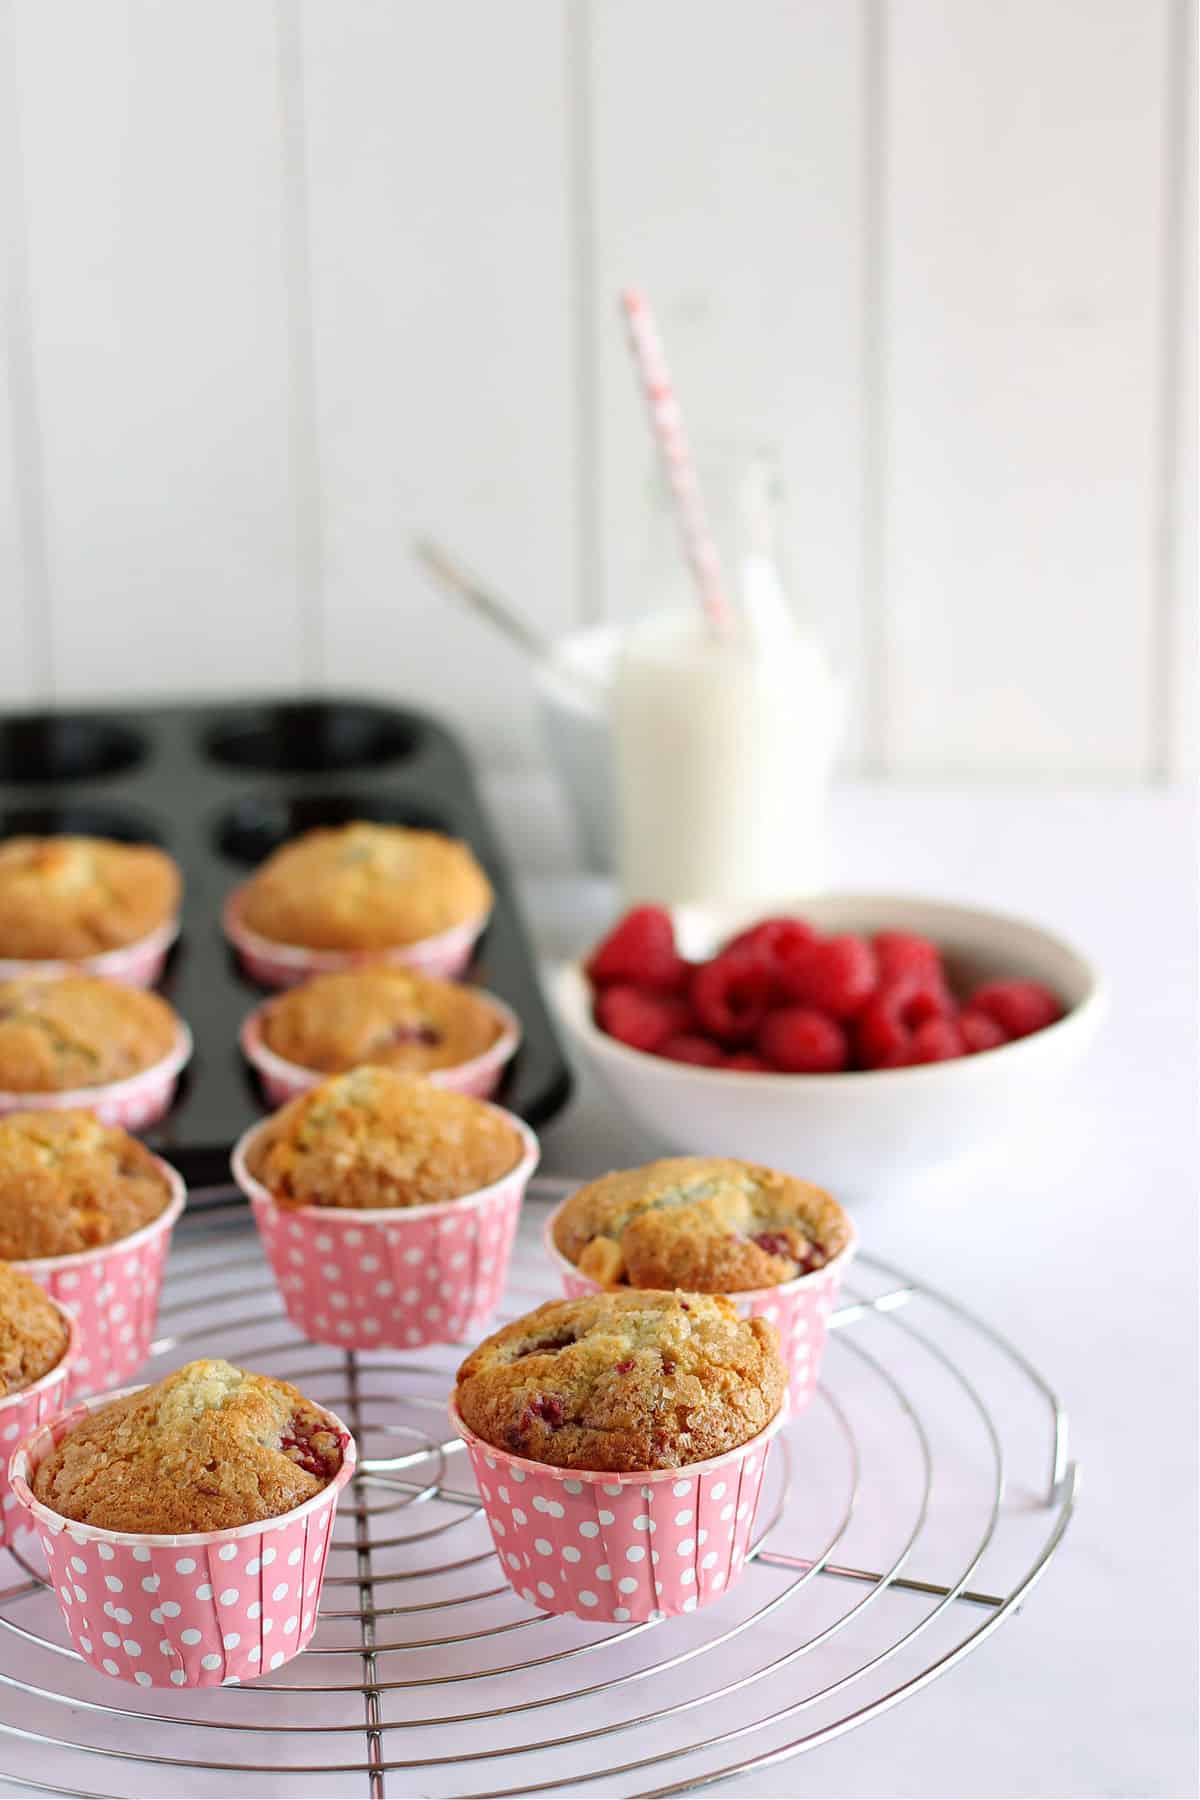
(22, 1412)
(136, 1103)
(137, 965)
(274, 965)
(192, 1610)
(112, 1295)
(799, 1310)
(620, 1548)
(391, 1278)
(480, 1076)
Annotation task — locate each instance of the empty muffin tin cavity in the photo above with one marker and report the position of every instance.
(312, 737)
(78, 820)
(256, 826)
(45, 747)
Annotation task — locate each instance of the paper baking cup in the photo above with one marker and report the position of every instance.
(799, 1309)
(618, 1548)
(394, 1278)
(112, 1294)
(22, 1412)
(193, 1610)
(480, 1076)
(136, 1103)
(137, 965)
(284, 965)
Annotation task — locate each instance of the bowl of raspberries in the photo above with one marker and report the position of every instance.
(845, 1038)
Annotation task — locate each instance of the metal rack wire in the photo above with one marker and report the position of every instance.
(905, 1517)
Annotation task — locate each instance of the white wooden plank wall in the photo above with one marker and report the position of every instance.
(288, 281)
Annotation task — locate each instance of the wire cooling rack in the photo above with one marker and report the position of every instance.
(904, 1517)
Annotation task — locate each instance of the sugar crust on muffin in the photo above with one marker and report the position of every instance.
(625, 1380)
(78, 1032)
(69, 1183)
(33, 1331)
(75, 896)
(384, 1014)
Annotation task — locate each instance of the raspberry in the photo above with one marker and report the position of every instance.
(980, 1032)
(937, 1040)
(747, 1061)
(729, 996)
(689, 1047)
(803, 1042)
(550, 1408)
(772, 940)
(641, 1019)
(639, 949)
(900, 953)
(836, 975)
(1018, 1007)
(884, 1035)
(773, 1242)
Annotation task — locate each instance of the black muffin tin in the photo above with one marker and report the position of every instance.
(220, 787)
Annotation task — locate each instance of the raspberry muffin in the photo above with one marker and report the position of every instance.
(33, 1332)
(373, 1138)
(67, 898)
(705, 1222)
(79, 1032)
(624, 1381)
(207, 1448)
(364, 887)
(387, 1208)
(69, 1183)
(385, 1014)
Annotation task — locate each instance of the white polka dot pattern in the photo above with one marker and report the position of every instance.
(194, 1620)
(283, 965)
(112, 1293)
(396, 1280)
(609, 1547)
(799, 1311)
(21, 1414)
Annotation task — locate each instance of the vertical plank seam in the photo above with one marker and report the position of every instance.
(1165, 677)
(581, 286)
(875, 671)
(25, 425)
(303, 446)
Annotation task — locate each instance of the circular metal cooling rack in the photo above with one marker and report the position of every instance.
(904, 1517)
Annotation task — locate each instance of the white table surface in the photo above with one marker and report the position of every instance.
(1079, 1242)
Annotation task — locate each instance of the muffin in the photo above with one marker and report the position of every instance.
(704, 1222)
(363, 887)
(69, 1183)
(79, 1032)
(207, 1448)
(373, 1138)
(384, 1014)
(33, 1332)
(73, 897)
(624, 1381)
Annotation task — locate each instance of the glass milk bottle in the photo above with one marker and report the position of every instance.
(725, 742)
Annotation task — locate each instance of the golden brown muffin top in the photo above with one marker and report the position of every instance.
(33, 1332)
(80, 896)
(364, 887)
(383, 1014)
(624, 1381)
(78, 1032)
(373, 1138)
(706, 1222)
(207, 1448)
(69, 1183)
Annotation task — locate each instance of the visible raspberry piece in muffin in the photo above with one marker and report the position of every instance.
(365, 887)
(33, 1332)
(69, 1183)
(373, 1138)
(384, 1014)
(79, 1032)
(207, 1448)
(80, 896)
(624, 1381)
(704, 1222)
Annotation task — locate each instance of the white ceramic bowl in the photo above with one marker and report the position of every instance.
(853, 1132)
